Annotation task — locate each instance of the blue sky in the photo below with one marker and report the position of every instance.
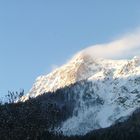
(37, 34)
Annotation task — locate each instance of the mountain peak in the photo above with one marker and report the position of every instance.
(104, 90)
(81, 56)
(75, 70)
(82, 67)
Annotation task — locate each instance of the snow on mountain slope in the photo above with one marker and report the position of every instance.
(81, 67)
(111, 91)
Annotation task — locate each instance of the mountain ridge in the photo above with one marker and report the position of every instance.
(80, 67)
(105, 90)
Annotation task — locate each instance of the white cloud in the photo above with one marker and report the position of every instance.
(54, 67)
(125, 47)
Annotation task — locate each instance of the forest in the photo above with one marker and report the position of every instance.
(35, 118)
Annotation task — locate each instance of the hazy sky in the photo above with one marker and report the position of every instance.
(36, 35)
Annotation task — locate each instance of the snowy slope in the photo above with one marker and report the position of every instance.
(81, 67)
(113, 92)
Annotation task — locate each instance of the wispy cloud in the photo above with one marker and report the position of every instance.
(125, 47)
(54, 67)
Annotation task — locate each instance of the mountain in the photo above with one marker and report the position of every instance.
(36, 118)
(97, 92)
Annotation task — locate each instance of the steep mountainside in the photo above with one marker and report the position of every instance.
(104, 91)
(82, 66)
(33, 119)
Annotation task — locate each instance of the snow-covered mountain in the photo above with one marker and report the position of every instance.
(109, 91)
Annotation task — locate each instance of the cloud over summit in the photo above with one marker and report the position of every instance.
(126, 46)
